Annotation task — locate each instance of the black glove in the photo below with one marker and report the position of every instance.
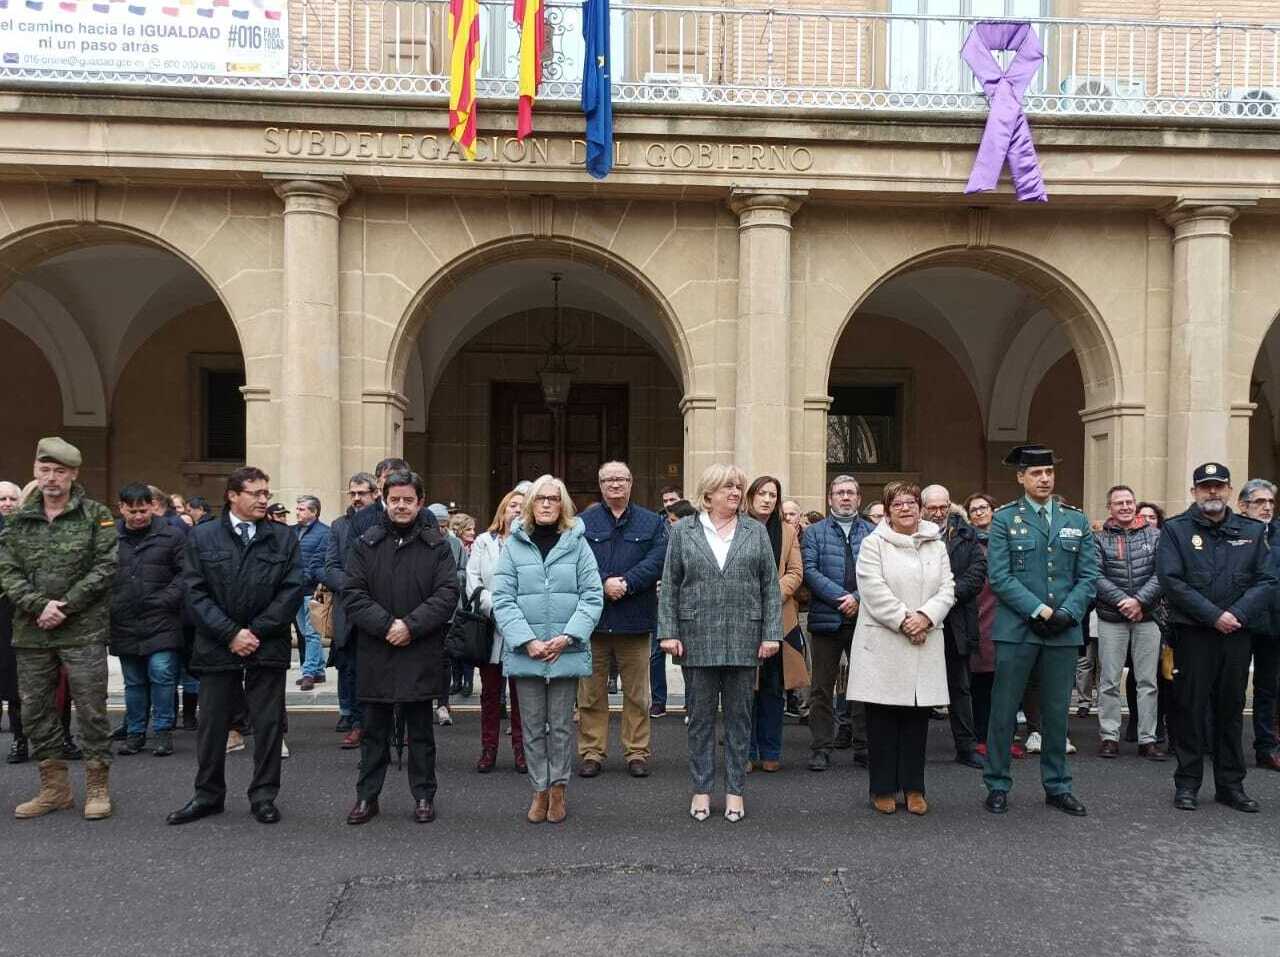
(1040, 627)
(1060, 622)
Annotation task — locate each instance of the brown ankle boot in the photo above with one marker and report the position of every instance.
(538, 809)
(556, 811)
(884, 803)
(55, 791)
(97, 798)
(916, 803)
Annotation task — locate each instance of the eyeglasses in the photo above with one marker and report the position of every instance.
(979, 508)
(1260, 501)
(615, 480)
(904, 506)
(546, 499)
(263, 494)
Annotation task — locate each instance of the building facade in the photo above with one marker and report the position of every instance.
(782, 270)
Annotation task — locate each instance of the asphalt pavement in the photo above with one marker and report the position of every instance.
(811, 870)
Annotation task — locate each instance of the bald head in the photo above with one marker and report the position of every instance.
(935, 504)
(10, 496)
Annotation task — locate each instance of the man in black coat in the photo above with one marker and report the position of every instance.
(969, 568)
(401, 592)
(146, 619)
(1217, 579)
(244, 581)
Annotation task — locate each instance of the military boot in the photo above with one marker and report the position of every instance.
(97, 800)
(55, 791)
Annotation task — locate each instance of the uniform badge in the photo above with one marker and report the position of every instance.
(1210, 470)
(1017, 520)
(1197, 542)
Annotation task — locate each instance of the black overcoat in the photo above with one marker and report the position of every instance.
(147, 596)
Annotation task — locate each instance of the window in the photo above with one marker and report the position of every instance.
(925, 57)
(864, 428)
(222, 415)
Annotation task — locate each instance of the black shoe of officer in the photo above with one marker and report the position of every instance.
(70, 750)
(193, 810)
(133, 744)
(1184, 799)
(18, 752)
(1238, 800)
(1067, 803)
(997, 802)
(265, 812)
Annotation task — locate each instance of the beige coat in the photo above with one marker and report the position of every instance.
(790, 578)
(899, 574)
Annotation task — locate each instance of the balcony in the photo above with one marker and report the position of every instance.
(678, 57)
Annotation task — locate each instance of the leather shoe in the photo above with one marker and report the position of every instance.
(521, 765)
(997, 802)
(424, 811)
(590, 768)
(637, 768)
(1068, 803)
(363, 812)
(1152, 752)
(307, 683)
(1185, 800)
(1108, 748)
(488, 758)
(265, 812)
(352, 739)
(969, 760)
(193, 810)
(1269, 761)
(1238, 800)
(819, 761)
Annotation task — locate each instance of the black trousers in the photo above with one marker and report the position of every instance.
(825, 649)
(221, 694)
(980, 683)
(961, 707)
(375, 748)
(1209, 688)
(896, 741)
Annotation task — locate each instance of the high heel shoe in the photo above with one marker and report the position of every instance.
(700, 814)
(734, 815)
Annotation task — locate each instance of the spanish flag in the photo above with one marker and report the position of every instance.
(533, 32)
(464, 34)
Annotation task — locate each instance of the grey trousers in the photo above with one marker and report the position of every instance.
(546, 711)
(1117, 640)
(734, 687)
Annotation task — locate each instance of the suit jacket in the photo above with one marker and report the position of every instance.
(720, 616)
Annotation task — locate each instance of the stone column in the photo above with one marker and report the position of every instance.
(699, 412)
(310, 416)
(809, 466)
(1199, 403)
(762, 430)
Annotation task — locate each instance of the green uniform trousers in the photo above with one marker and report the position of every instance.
(1056, 667)
(38, 683)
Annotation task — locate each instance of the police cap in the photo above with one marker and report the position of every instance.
(1211, 472)
(1030, 456)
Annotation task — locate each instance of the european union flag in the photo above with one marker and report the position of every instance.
(597, 91)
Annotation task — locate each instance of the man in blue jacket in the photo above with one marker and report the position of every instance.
(830, 548)
(630, 545)
(313, 540)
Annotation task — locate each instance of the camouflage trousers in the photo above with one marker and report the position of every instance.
(38, 684)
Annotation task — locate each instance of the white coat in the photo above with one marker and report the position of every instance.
(897, 575)
(485, 552)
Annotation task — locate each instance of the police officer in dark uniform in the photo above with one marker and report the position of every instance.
(1042, 566)
(1218, 583)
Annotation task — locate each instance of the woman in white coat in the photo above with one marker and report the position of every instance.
(898, 659)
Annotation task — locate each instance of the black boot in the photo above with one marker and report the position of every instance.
(70, 750)
(189, 703)
(120, 733)
(133, 744)
(18, 753)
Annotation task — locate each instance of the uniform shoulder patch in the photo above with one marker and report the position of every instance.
(1071, 508)
(1001, 508)
(106, 524)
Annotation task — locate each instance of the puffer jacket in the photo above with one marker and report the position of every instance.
(313, 542)
(71, 559)
(146, 601)
(1127, 558)
(537, 599)
(823, 549)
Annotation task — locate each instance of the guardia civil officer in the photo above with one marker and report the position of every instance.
(1218, 583)
(1042, 566)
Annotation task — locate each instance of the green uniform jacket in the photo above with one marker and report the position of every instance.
(1028, 567)
(72, 559)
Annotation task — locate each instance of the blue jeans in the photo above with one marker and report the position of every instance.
(344, 659)
(313, 663)
(766, 726)
(149, 685)
(657, 673)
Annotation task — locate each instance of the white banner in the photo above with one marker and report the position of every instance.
(180, 37)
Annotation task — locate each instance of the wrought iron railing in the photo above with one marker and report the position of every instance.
(693, 54)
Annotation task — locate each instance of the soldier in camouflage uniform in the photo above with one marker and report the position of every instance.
(57, 564)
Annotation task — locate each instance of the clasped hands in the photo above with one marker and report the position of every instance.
(1046, 626)
(398, 634)
(916, 627)
(52, 616)
(244, 643)
(548, 650)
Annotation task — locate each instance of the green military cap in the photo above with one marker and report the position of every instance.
(55, 448)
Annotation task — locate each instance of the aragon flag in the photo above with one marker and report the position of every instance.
(529, 14)
(464, 35)
(597, 90)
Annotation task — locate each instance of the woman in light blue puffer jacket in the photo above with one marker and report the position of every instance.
(547, 600)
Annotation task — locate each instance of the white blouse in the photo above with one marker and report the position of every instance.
(719, 546)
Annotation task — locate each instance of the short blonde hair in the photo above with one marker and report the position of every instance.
(459, 522)
(716, 477)
(567, 510)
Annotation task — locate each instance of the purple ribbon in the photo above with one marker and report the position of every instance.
(1007, 136)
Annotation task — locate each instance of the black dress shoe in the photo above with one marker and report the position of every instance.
(193, 810)
(265, 812)
(120, 733)
(819, 761)
(363, 812)
(424, 812)
(1185, 800)
(344, 724)
(1238, 800)
(638, 768)
(1068, 803)
(997, 802)
(70, 750)
(19, 752)
(134, 744)
(590, 768)
(969, 760)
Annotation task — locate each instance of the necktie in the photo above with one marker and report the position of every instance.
(243, 529)
(1044, 517)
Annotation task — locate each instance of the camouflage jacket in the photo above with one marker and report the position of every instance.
(72, 559)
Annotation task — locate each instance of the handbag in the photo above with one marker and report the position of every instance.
(470, 637)
(795, 672)
(320, 611)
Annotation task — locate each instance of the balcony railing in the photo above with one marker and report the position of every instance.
(786, 58)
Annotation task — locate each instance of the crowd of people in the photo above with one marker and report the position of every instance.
(864, 623)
